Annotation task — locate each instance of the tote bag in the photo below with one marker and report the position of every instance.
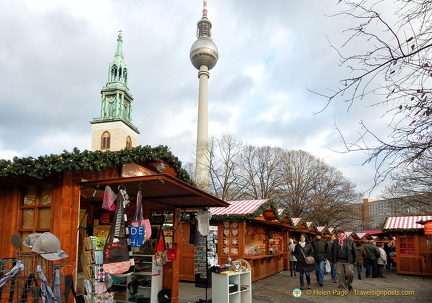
(137, 229)
(117, 254)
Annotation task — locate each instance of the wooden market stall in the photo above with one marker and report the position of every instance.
(413, 246)
(253, 230)
(302, 226)
(52, 194)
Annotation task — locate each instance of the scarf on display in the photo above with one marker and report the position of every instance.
(342, 241)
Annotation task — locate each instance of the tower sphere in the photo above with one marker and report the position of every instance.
(204, 52)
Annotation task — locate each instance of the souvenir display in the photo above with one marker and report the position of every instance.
(230, 239)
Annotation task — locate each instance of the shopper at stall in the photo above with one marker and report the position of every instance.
(344, 254)
(372, 255)
(361, 253)
(302, 250)
(293, 260)
(382, 260)
(333, 272)
(320, 248)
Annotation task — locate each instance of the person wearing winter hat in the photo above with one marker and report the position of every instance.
(320, 248)
(344, 254)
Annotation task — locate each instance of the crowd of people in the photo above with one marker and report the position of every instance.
(340, 257)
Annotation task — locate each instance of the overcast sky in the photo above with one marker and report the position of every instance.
(54, 58)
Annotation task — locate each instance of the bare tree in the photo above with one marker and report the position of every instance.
(394, 65)
(261, 173)
(315, 191)
(334, 200)
(412, 187)
(301, 173)
(296, 180)
(224, 164)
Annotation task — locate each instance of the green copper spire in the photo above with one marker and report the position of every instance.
(117, 72)
(116, 98)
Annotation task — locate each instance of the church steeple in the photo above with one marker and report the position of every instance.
(117, 72)
(115, 121)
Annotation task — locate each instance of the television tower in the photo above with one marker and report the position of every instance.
(204, 56)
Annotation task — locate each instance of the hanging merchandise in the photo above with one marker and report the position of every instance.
(160, 244)
(148, 229)
(5, 278)
(47, 293)
(203, 222)
(69, 285)
(117, 251)
(108, 199)
(160, 252)
(171, 253)
(137, 229)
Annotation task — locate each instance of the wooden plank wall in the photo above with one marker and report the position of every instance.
(9, 214)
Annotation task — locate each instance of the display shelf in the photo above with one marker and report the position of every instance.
(153, 277)
(233, 288)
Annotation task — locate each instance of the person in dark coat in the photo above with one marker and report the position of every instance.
(304, 249)
(320, 248)
(344, 254)
(361, 253)
(333, 272)
(372, 255)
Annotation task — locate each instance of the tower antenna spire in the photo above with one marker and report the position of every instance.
(204, 8)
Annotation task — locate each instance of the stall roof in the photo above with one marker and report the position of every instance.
(296, 221)
(321, 228)
(243, 207)
(159, 191)
(361, 235)
(405, 222)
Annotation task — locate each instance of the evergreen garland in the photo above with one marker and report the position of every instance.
(401, 230)
(48, 165)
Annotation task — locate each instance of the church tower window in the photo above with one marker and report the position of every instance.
(106, 140)
(128, 142)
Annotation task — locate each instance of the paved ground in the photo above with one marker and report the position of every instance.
(279, 289)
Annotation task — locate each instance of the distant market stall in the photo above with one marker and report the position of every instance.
(413, 246)
(253, 230)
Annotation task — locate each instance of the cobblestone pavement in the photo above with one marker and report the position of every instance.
(279, 289)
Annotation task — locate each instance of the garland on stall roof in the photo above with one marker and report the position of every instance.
(258, 212)
(48, 165)
(401, 230)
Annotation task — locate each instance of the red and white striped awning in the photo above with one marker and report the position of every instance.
(243, 207)
(405, 222)
(330, 229)
(309, 224)
(348, 233)
(320, 228)
(295, 221)
(361, 235)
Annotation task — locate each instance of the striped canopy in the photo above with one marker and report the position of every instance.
(405, 222)
(243, 207)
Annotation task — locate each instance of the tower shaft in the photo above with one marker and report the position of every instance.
(202, 152)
